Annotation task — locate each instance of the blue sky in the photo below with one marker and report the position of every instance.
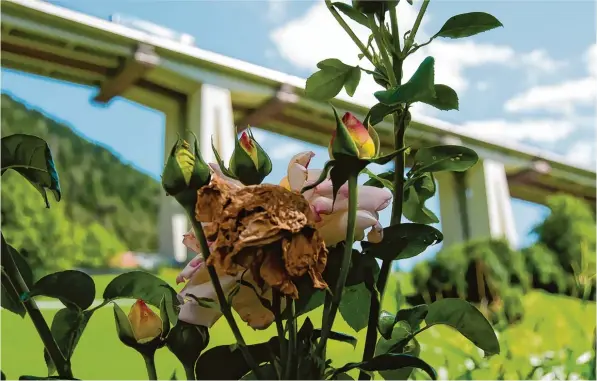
(532, 82)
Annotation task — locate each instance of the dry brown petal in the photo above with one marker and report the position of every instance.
(264, 228)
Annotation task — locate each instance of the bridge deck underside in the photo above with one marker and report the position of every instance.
(89, 64)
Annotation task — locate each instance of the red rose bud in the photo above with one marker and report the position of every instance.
(249, 147)
(359, 135)
(146, 324)
(249, 163)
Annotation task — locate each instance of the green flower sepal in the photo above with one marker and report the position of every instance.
(184, 173)
(249, 163)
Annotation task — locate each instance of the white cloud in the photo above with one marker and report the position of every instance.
(276, 10)
(562, 98)
(591, 60)
(482, 85)
(315, 36)
(540, 60)
(582, 152)
(286, 150)
(537, 130)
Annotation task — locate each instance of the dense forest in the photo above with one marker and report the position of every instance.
(107, 206)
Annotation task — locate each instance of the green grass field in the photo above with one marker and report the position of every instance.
(550, 324)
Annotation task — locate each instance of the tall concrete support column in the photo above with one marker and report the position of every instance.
(207, 112)
(476, 204)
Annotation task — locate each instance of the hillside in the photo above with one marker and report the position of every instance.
(110, 199)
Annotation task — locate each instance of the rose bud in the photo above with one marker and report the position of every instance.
(354, 139)
(146, 324)
(249, 163)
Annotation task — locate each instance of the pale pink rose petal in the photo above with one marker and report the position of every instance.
(333, 227)
(190, 269)
(218, 171)
(190, 241)
(375, 234)
(372, 199)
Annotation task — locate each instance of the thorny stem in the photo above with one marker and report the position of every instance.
(18, 283)
(224, 306)
(382, 50)
(150, 366)
(349, 31)
(411, 36)
(337, 296)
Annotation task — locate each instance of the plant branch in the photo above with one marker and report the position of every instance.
(276, 304)
(411, 37)
(224, 306)
(395, 32)
(150, 366)
(18, 283)
(386, 266)
(337, 296)
(382, 50)
(349, 31)
(291, 351)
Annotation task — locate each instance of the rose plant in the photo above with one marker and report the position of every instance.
(273, 252)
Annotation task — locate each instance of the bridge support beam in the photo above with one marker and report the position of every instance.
(476, 204)
(208, 113)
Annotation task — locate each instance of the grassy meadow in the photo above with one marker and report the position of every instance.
(552, 323)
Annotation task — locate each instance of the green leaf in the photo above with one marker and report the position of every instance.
(2, 375)
(352, 80)
(226, 362)
(221, 163)
(468, 24)
(413, 316)
(333, 63)
(31, 157)
(354, 306)
(411, 348)
(144, 286)
(352, 13)
(204, 302)
(67, 328)
(324, 174)
(444, 158)
(396, 340)
(385, 159)
(266, 370)
(387, 177)
(325, 84)
(73, 288)
(421, 189)
(187, 341)
(165, 318)
(123, 327)
(420, 86)
(445, 98)
(9, 296)
(403, 241)
(378, 112)
(385, 324)
(44, 378)
(466, 319)
(338, 336)
(390, 361)
(378, 179)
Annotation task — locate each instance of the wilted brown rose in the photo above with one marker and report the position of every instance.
(264, 228)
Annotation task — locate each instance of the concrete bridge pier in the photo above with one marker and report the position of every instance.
(476, 204)
(208, 113)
